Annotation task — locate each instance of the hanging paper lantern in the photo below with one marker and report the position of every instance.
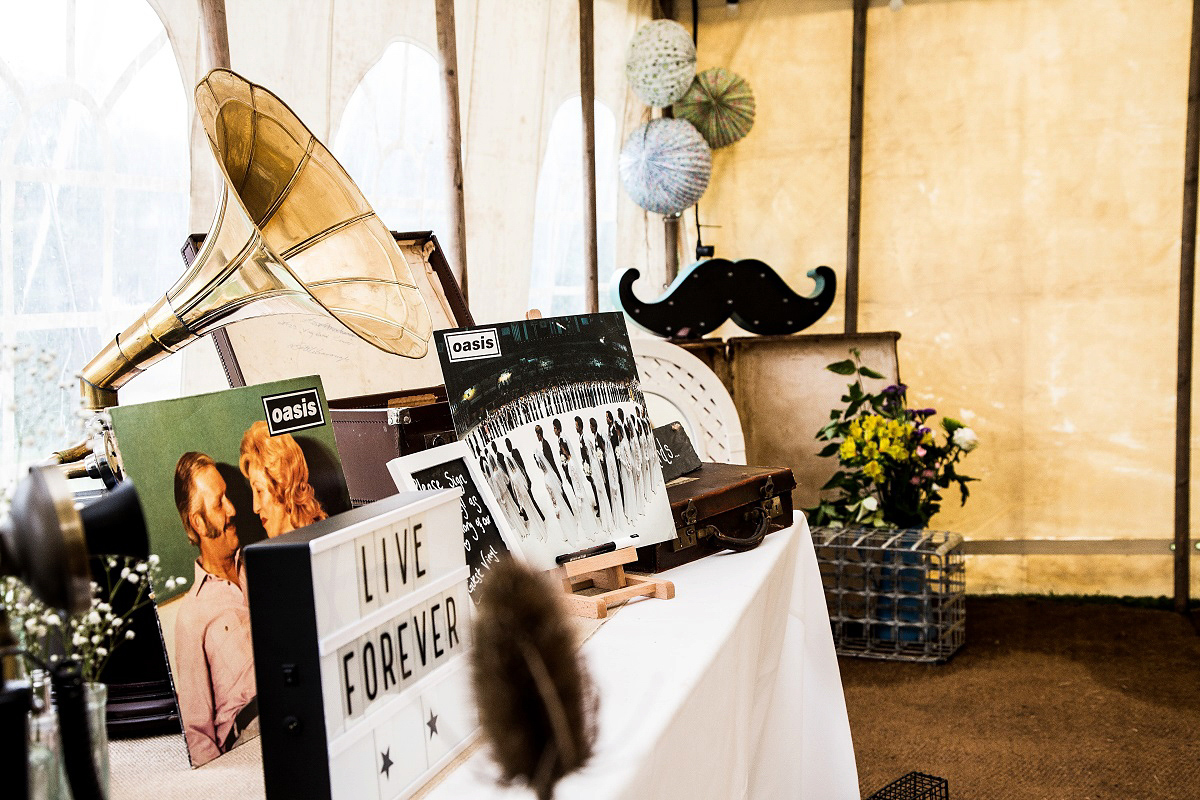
(661, 62)
(665, 165)
(720, 105)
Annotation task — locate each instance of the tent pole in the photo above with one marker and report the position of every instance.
(587, 92)
(1187, 272)
(448, 52)
(858, 57)
(216, 33)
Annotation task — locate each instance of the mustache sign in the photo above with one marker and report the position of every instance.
(711, 291)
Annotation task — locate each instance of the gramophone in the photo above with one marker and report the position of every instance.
(45, 542)
(292, 233)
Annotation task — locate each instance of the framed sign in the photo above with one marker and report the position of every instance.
(486, 536)
(361, 623)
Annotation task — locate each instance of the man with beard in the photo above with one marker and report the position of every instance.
(214, 656)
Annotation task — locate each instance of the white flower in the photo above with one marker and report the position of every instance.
(97, 639)
(133, 577)
(182, 581)
(101, 651)
(79, 640)
(170, 584)
(103, 607)
(966, 438)
(142, 566)
(125, 572)
(153, 559)
(870, 503)
(93, 618)
(129, 634)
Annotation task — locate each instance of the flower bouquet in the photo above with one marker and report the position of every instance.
(893, 468)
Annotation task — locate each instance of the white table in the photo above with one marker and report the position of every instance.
(730, 690)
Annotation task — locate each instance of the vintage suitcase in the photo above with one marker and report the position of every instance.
(378, 410)
(371, 430)
(721, 507)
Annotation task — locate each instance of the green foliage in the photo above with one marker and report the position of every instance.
(892, 467)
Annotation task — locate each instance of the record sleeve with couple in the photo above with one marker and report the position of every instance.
(216, 473)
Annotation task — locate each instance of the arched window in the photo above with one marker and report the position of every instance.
(392, 141)
(93, 199)
(556, 277)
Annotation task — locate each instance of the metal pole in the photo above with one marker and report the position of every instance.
(1183, 384)
(587, 91)
(858, 57)
(671, 246)
(448, 51)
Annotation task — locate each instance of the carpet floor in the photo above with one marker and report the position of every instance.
(1048, 699)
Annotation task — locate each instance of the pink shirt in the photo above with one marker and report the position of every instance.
(214, 661)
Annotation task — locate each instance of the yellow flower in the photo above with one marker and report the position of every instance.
(856, 429)
(884, 443)
(871, 450)
(847, 451)
(873, 470)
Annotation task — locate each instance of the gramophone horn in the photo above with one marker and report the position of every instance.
(292, 233)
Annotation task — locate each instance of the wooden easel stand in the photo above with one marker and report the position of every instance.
(607, 571)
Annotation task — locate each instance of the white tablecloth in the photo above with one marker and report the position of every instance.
(730, 690)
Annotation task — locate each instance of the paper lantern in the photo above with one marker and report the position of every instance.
(720, 105)
(661, 62)
(665, 165)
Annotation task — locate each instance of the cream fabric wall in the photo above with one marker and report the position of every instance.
(1022, 194)
(518, 61)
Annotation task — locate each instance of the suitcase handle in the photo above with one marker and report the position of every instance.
(750, 542)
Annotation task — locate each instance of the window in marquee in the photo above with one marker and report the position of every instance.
(93, 199)
(556, 278)
(392, 140)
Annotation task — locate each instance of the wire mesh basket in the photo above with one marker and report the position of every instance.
(914, 786)
(895, 594)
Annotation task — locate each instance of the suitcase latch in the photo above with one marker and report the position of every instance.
(684, 538)
(773, 507)
(685, 535)
(768, 488)
(690, 514)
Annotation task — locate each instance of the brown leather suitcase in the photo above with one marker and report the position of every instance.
(721, 507)
(372, 429)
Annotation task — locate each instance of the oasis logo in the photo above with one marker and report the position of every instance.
(293, 411)
(470, 345)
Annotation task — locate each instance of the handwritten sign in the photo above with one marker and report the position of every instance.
(448, 467)
(676, 455)
(361, 623)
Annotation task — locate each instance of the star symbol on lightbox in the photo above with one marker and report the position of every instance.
(432, 723)
(387, 763)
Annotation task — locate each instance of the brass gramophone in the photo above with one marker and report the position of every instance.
(292, 233)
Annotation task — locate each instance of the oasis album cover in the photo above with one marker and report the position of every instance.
(555, 420)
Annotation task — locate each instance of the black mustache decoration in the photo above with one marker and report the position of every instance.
(712, 291)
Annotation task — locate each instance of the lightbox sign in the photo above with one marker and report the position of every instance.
(360, 623)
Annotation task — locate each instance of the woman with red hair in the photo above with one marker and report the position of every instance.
(274, 465)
